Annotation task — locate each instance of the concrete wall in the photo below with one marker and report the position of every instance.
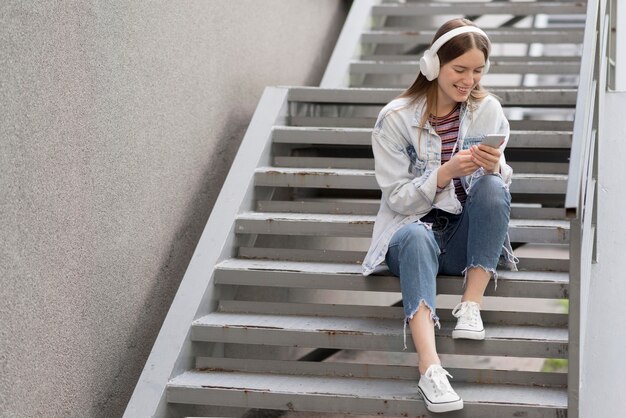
(119, 121)
(604, 367)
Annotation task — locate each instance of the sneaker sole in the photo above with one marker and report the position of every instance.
(441, 407)
(468, 335)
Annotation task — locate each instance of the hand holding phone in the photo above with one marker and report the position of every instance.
(493, 140)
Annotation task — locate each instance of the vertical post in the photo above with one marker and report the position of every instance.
(574, 360)
(619, 11)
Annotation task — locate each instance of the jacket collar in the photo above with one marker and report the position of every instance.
(420, 108)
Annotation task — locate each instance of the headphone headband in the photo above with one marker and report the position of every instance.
(429, 63)
(455, 32)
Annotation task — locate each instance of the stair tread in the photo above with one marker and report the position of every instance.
(527, 262)
(347, 276)
(364, 219)
(511, 96)
(365, 326)
(526, 58)
(316, 224)
(343, 269)
(402, 368)
(497, 67)
(371, 206)
(371, 173)
(492, 315)
(363, 136)
(488, 31)
(368, 131)
(366, 163)
(391, 390)
(401, 35)
(482, 8)
(496, 61)
(364, 179)
(376, 334)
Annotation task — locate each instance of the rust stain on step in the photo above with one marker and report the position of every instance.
(336, 332)
(246, 390)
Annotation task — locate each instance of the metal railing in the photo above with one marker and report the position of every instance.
(581, 197)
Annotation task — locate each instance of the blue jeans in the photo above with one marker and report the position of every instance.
(455, 243)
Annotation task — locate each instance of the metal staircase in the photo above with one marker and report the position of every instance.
(273, 312)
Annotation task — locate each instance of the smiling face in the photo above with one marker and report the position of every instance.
(458, 77)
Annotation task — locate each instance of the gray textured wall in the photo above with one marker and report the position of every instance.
(603, 367)
(118, 123)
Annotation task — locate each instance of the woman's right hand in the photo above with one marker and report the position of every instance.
(459, 165)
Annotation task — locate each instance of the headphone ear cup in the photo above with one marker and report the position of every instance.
(429, 65)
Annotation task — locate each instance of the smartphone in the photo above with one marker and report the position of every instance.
(493, 140)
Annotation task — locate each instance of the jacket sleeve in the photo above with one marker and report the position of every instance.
(492, 119)
(506, 172)
(405, 193)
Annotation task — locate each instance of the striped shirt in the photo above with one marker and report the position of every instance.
(447, 127)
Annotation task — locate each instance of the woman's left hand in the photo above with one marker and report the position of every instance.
(487, 157)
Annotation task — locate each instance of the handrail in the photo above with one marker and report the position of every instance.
(581, 197)
(172, 352)
(582, 117)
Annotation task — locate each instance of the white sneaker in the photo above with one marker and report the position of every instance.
(469, 324)
(437, 392)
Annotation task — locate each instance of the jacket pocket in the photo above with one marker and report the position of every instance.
(416, 165)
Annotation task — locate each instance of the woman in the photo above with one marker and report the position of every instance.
(445, 205)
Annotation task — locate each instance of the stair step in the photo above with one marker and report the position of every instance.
(479, 8)
(490, 317)
(379, 334)
(520, 230)
(366, 180)
(520, 96)
(497, 67)
(541, 125)
(368, 122)
(363, 136)
(299, 254)
(368, 164)
(356, 257)
(496, 36)
(325, 162)
(322, 135)
(378, 371)
(371, 206)
(350, 395)
(347, 276)
(360, 207)
(501, 58)
(539, 167)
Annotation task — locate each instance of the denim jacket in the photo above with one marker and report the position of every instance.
(407, 158)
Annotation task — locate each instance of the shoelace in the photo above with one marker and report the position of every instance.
(437, 375)
(467, 312)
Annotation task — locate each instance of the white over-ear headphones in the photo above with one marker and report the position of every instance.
(429, 63)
